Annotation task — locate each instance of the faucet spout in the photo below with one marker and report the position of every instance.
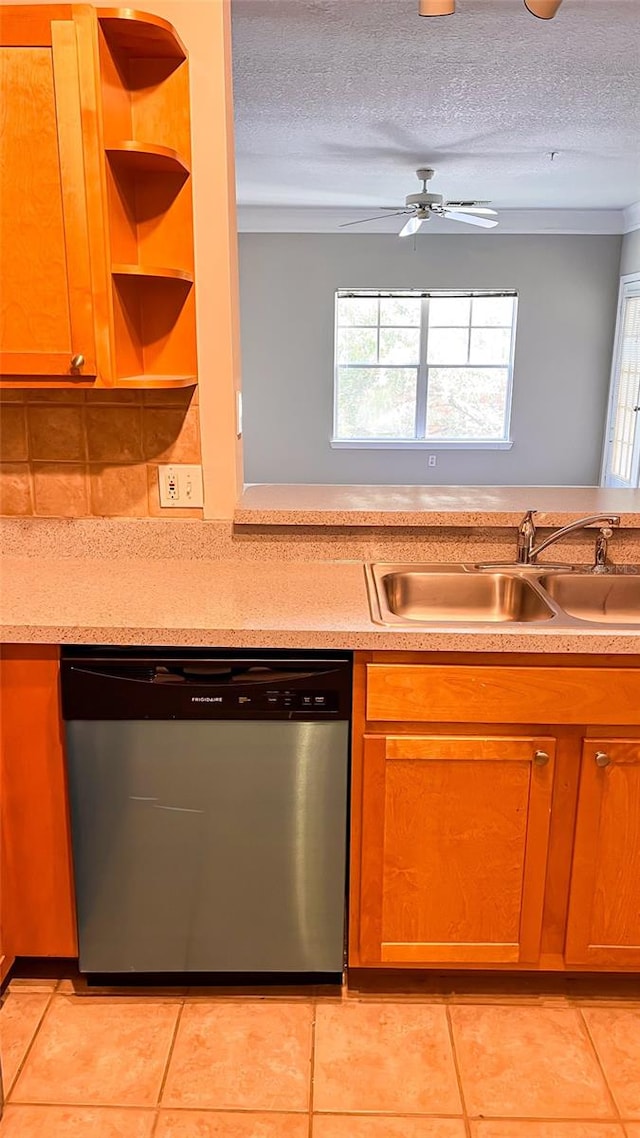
(526, 538)
(528, 551)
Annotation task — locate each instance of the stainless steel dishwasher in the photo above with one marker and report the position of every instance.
(208, 796)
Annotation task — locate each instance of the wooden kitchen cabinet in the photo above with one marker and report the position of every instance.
(465, 850)
(96, 208)
(603, 928)
(36, 892)
(454, 847)
(47, 315)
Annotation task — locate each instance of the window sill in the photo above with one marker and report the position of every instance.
(421, 444)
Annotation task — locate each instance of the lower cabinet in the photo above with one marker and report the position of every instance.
(510, 843)
(603, 927)
(36, 890)
(454, 848)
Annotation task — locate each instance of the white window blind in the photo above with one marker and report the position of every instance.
(625, 423)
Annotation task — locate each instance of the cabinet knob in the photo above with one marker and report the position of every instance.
(77, 361)
(540, 758)
(602, 759)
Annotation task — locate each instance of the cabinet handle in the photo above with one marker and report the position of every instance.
(602, 759)
(77, 361)
(540, 758)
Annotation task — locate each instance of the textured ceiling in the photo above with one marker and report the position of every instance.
(338, 101)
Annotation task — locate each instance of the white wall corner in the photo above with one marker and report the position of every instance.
(631, 216)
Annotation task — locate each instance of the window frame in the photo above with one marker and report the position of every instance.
(422, 442)
(629, 288)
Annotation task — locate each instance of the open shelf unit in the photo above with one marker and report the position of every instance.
(144, 80)
(130, 156)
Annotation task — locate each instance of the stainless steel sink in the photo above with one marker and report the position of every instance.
(406, 594)
(605, 599)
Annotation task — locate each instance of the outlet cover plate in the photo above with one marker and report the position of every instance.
(180, 486)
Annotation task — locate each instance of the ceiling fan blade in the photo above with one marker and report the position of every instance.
(467, 204)
(378, 217)
(479, 209)
(412, 226)
(469, 218)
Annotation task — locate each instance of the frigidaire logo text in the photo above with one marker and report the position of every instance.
(206, 699)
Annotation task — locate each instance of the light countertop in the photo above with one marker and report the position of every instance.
(310, 604)
(323, 505)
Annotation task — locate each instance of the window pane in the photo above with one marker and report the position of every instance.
(490, 345)
(445, 311)
(400, 310)
(399, 345)
(376, 403)
(492, 310)
(466, 403)
(447, 346)
(357, 345)
(352, 310)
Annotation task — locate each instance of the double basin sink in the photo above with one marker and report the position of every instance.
(466, 594)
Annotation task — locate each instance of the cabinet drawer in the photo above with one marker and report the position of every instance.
(462, 694)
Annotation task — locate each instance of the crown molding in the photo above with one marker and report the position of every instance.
(310, 219)
(631, 217)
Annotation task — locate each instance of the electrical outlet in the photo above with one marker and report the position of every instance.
(180, 485)
(432, 460)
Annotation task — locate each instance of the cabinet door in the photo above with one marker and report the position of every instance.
(604, 904)
(36, 892)
(46, 310)
(455, 833)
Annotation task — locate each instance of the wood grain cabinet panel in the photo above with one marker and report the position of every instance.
(46, 310)
(502, 694)
(454, 843)
(604, 907)
(36, 891)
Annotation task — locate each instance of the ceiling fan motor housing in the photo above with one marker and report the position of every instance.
(425, 201)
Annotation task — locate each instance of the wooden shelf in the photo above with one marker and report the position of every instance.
(140, 34)
(131, 156)
(155, 272)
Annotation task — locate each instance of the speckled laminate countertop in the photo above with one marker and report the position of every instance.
(311, 604)
(322, 505)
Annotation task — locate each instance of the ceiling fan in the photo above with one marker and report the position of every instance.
(424, 206)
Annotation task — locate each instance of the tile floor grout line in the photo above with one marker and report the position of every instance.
(594, 1049)
(172, 1044)
(21, 1066)
(314, 1012)
(456, 1064)
(154, 1124)
(563, 1118)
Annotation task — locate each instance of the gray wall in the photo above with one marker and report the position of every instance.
(567, 290)
(630, 255)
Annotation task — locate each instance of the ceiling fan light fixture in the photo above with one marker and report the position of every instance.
(543, 9)
(436, 7)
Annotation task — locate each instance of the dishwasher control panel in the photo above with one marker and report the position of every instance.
(196, 684)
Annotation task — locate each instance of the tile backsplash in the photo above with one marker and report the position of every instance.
(71, 454)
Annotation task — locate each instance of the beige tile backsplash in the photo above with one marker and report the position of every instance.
(81, 454)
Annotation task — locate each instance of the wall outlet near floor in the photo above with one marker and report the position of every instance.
(432, 460)
(180, 485)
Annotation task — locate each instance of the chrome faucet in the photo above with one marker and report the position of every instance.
(527, 549)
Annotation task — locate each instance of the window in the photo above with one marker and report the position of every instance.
(622, 438)
(422, 369)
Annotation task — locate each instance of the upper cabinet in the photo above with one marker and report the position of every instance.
(97, 225)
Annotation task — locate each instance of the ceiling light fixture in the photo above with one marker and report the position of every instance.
(543, 9)
(436, 7)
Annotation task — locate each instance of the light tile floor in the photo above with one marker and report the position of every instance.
(198, 1064)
